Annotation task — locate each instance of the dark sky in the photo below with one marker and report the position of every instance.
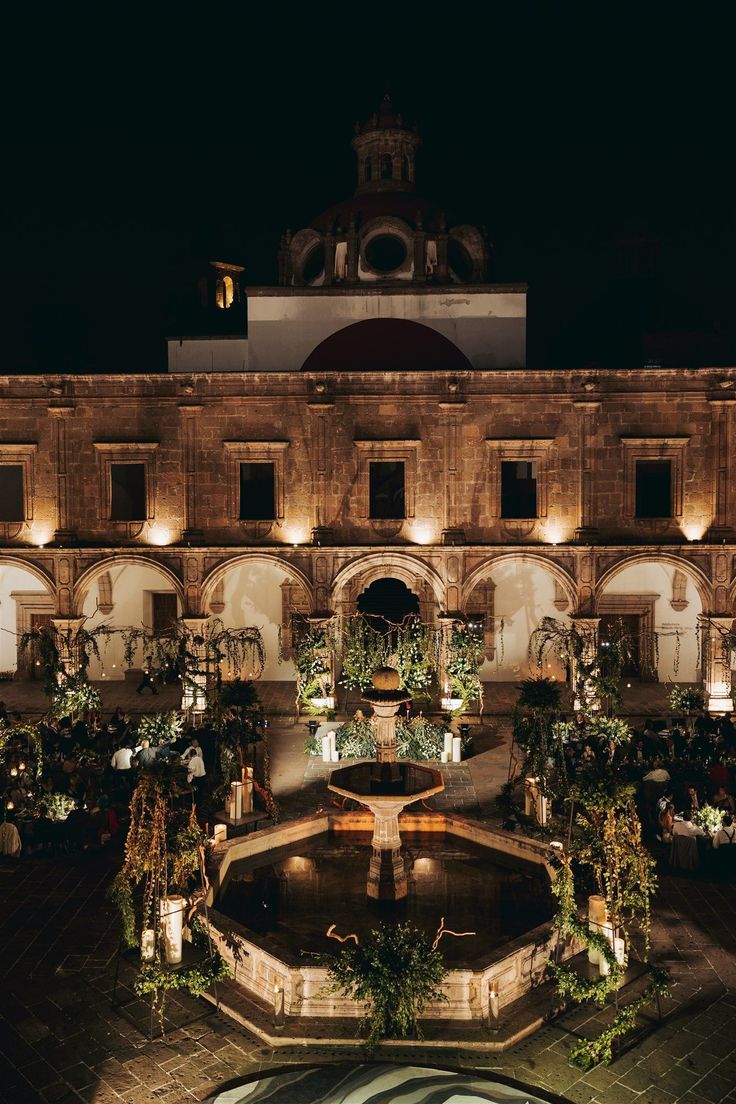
(597, 149)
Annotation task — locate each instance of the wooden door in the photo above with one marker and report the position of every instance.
(164, 612)
(29, 661)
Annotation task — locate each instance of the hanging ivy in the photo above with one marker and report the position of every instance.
(597, 669)
(462, 663)
(313, 661)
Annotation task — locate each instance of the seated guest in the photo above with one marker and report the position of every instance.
(657, 773)
(692, 801)
(726, 834)
(146, 756)
(121, 760)
(723, 800)
(666, 822)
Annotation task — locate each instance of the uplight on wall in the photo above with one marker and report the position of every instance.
(296, 535)
(693, 530)
(41, 533)
(553, 533)
(159, 534)
(422, 532)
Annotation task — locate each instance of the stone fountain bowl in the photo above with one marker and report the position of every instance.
(391, 781)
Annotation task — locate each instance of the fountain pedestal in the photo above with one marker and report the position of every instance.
(386, 787)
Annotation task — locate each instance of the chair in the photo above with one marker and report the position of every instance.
(684, 853)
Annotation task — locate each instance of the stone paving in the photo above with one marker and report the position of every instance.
(60, 1039)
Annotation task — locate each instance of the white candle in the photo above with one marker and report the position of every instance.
(594, 954)
(172, 918)
(248, 797)
(445, 756)
(335, 755)
(597, 908)
(333, 745)
(493, 1005)
(457, 749)
(326, 749)
(619, 949)
(148, 944)
(220, 833)
(541, 809)
(448, 745)
(236, 790)
(603, 967)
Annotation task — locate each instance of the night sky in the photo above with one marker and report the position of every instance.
(598, 151)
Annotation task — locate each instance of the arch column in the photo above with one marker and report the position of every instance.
(716, 663)
(585, 697)
(194, 689)
(66, 633)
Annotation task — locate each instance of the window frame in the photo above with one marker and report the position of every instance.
(403, 449)
(144, 512)
(373, 516)
(654, 448)
(637, 468)
(261, 463)
(131, 452)
(255, 452)
(534, 450)
(22, 455)
(519, 517)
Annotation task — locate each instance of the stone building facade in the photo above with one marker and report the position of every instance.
(517, 493)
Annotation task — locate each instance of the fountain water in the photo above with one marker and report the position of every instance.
(386, 787)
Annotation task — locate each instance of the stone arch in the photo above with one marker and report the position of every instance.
(88, 577)
(377, 565)
(267, 592)
(653, 596)
(28, 599)
(217, 575)
(512, 593)
(700, 581)
(562, 577)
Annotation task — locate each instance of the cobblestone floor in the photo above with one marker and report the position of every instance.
(60, 1039)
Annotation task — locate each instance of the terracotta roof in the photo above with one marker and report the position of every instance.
(363, 208)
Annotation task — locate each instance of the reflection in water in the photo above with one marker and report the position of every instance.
(291, 902)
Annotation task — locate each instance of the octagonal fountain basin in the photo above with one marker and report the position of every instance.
(273, 895)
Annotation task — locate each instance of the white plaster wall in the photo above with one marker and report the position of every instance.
(132, 587)
(524, 595)
(252, 596)
(13, 578)
(208, 354)
(656, 578)
(489, 327)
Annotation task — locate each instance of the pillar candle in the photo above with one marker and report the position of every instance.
(148, 944)
(457, 749)
(603, 967)
(248, 796)
(333, 745)
(597, 909)
(541, 809)
(448, 745)
(594, 955)
(220, 833)
(619, 949)
(326, 749)
(335, 755)
(172, 921)
(236, 789)
(445, 756)
(493, 1005)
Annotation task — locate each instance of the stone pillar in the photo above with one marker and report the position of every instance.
(320, 411)
(329, 258)
(441, 275)
(722, 525)
(63, 534)
(387, 869)
(353, 249)
(194, 688)
(716, 662)
(384, 727)
(586, 532)
(452, 531)
(585, 697)
(189, 413)
(420, 255)
(66, 641)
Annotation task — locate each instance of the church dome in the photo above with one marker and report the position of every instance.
(385, 233)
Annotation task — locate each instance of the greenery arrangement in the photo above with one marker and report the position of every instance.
(74, 697)
(11, 736)
(540, 734)
(160, 727)
(686, 700)
(462, 663)
(596, 668)
(610, 858)
(238, 694)
(57, 806)
(709, 819)
(313, 652)
(397, 971)
(541, 694)
(417, 738)
(609, 732)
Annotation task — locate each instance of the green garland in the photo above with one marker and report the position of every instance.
(30, 733)
(590, 1052)
(463, 660)
(154, 979)
(397, 971)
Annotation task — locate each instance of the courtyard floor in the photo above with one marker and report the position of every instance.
(60, 1040)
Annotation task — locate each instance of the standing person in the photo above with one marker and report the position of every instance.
(146, 683)
(196, 773)
(122, 758)
(726, 834)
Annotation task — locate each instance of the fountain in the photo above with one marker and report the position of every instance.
(386, 787)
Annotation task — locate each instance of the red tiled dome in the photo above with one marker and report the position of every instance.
(386, 345)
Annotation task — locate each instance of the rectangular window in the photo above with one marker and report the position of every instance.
(12, 506)
(518, 489)
(653, 489)
(257, 492)
(128, 492)
(386, 489)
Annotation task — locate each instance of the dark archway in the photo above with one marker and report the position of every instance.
(386, 345)
(387, 602)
